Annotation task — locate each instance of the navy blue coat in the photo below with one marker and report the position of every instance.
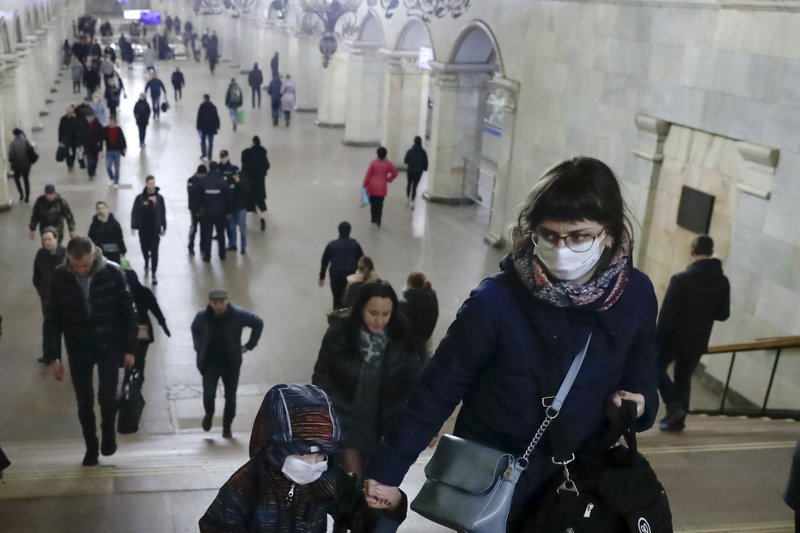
(495, 357)
(235, 319)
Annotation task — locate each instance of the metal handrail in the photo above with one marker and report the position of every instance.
(778, 344)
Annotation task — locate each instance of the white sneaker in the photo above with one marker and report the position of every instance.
(116, 185)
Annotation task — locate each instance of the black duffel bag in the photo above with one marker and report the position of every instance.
(61, 153)
(130, 404)
(612, 489)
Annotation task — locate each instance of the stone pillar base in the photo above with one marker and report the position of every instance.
(328, 125)
(447, 200)
(5, 207)
(364, 144)
(306, 110)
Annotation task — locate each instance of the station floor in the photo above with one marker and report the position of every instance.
(720, 474)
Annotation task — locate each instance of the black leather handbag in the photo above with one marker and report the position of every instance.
(130, 404)
(469, 486)
(611, 489)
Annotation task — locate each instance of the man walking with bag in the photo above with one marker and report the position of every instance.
(89, 304)
(217, 334)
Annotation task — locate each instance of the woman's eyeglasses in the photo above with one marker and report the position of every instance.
(577, 241)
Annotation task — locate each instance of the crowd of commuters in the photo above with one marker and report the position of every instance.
(378, 397)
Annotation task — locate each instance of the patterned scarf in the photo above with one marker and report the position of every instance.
(601, 292)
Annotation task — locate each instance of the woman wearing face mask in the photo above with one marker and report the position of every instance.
(367, 364)
(291, 483)
(569, 275)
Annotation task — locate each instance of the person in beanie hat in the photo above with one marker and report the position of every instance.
(292, 481)
(51, 210)
(217, 334)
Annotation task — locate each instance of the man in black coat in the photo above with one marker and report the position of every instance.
(92, 137)
(217, 336)
(194, 190)
(694, 299)
(274, 91)
(141, 112)
(68, 135)
(255, 165)
(207, 126)
(416, 161)
(149, 218)
(255, 79)
(48, 258)
(214, 205)
(178, 81)
(342, 255)
(89, 304)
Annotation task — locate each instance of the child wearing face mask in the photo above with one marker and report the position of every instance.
(291, 482)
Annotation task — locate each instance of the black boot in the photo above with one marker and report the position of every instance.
(90, 457)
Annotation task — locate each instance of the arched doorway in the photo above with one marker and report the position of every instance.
(472, 127)
(406, 103)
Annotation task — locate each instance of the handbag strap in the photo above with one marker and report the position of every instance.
(555, 407)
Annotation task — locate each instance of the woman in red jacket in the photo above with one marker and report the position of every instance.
(379, 174)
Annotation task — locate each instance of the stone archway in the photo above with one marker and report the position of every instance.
(364, 111)
(405, 110)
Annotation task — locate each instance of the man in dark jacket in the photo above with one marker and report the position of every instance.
(149, 217)
(694, 299)
(157, 89)
(416, 161)
(141, 112)
(114, 139)
(68, 135)
(194, 190)
(89, 304)
(342, 255)
(49, 256)
(207, 126)
(178, 81)
(255, 165)
(92, 136)
(51, 210)
(106, 233)
(255, 79)
(274, 91)
(214, 205)
(217, 335)
(237, 200)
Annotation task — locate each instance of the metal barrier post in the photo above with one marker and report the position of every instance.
(771, 379)
(727, 384)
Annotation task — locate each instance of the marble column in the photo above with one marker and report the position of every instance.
(458, 111)
(15, 92)
(333, 93)
(643, 172)
(364, 111)
(5, 197)
(306, 63)
(405, 103)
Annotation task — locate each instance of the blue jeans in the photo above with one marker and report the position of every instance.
(206, 144)
(112, 165)
(157, 107)
(91, 163)
(237, 219)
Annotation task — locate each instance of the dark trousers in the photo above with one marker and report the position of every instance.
(22, 180)
(207, 144)
(338, 286)
(413, 180)
(76, 87)
(256, 95)
(676, 392)
(140, 354)
(142, 133)
(178, 92)
(43, 299)
(287, 116)
(81, 368)
(193, 229)
(276, 112)
(91, 163)
(149, 243)
(207, 227)
(376, 209)
(156, 107)
(230, 382)
(71, 152)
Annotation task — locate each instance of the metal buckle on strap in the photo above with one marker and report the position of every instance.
(547, 401)
(565, 462)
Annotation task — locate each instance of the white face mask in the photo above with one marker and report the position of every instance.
(302, 472)
(566, 265)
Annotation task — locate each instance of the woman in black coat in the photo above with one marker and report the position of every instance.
(367, 364)
(146, 303)
(106, 233)
(255, 165)
(421, 308)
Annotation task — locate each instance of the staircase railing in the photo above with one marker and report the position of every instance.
(778, 344)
